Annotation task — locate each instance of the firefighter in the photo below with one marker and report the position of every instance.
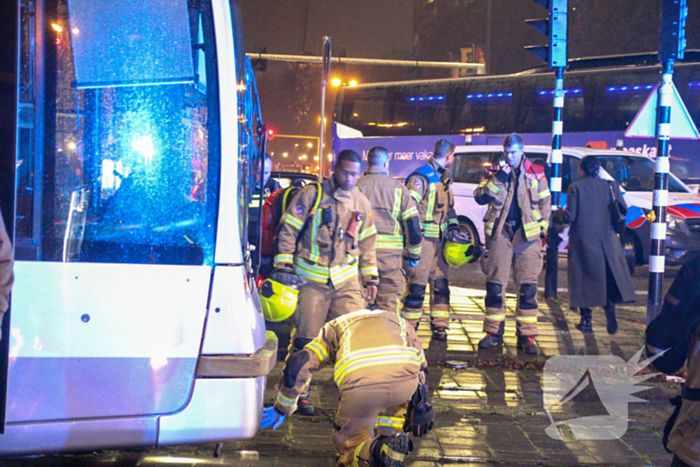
(398, 226)
(674, 336)
(380, 370)
(430, 187)
(514, 225)
(327, 236)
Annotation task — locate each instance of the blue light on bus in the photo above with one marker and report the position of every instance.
(566, 91)
(426, 98)
(695, 84)
(629, 88)
(490, 95)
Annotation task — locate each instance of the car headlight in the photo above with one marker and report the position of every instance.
(672, 222)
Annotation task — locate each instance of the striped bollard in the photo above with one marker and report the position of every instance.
(553, 239)
(658, 226)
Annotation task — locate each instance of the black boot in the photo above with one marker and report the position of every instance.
(585, 324)
(439, 332)
(610, 317)
(390, 451)
(304, 408)
(491, 340)
(527, 344)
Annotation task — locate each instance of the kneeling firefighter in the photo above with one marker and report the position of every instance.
(675, 335)
(382, 386)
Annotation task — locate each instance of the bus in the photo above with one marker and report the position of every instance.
(602, 97)
(134, 318)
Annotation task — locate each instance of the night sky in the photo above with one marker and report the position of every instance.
(384, 29)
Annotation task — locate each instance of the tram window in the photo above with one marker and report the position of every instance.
(126, 166)
(537, 103)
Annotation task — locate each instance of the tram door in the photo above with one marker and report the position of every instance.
(8, 92)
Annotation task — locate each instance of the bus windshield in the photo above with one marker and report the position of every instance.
(635, 173)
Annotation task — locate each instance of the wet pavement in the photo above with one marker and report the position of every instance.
(490, 413)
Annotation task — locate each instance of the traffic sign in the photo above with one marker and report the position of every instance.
(644, 123)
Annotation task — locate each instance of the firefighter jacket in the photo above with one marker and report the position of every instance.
(328, 235)
(368, 347)
(429, 185)
(533, 197)
(395, 212)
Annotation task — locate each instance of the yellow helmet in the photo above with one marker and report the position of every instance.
(459, 253)
(278, 300)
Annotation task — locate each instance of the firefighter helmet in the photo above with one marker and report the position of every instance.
(278, 300)
(458, 251)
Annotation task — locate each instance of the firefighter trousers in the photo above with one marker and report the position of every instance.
(392, 280)
(319, 303)
(432, 267)
(366, 412)
(525, 259)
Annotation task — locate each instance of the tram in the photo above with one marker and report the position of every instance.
(134, 318)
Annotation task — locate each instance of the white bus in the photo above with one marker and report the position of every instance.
(134, 320)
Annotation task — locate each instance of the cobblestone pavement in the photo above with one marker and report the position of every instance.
(490, 413)
(493, 411)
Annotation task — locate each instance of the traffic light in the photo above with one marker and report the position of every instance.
(260, 63)
(672, 39)
(555, 28)
(270, 134)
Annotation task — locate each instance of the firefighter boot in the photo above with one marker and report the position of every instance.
(527, 344)
(491, 340)
(585, 324)
(610, 317)
(304, 408)
(390, 451)
(439, 332)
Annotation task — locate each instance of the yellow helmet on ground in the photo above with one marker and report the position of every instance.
(278, 300)
(459, 252)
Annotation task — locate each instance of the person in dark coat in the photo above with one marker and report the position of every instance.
(598, 272)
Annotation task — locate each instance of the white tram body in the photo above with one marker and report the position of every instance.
(134, 321)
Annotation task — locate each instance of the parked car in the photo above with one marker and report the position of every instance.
(286, 179)
(634, 172)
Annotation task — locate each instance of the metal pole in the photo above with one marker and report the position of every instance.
(553, 239)
(363, 61)
(658, 226)
(325, 76)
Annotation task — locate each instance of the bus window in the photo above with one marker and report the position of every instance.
(619, 98)
(485, 107)
(422, 110)
(366, 108)
(470, 167)
(540, 96)
(122, 172)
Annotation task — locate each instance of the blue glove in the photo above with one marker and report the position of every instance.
(412, 263)
(271, 417)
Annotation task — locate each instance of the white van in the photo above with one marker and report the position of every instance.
(633, 171)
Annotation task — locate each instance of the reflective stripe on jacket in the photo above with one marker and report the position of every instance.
(330, 237)
(533, 197)
(434, 197)
(368, 347)
(395, 212)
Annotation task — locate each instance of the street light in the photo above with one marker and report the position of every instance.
(336, 82)
(309, 145)
(352, 82)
